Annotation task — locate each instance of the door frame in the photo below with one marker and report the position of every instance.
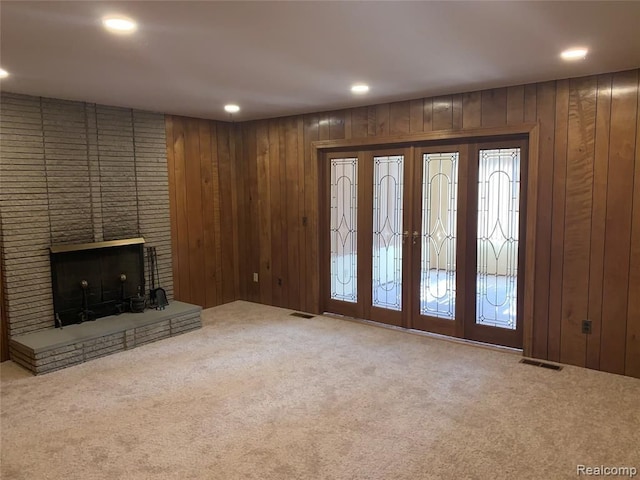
(529, 131)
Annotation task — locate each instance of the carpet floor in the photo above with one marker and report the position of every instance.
(259, 394)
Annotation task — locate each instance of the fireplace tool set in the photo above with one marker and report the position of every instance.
(157, 296)
(85, 314)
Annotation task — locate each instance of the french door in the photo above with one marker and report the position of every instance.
(427, 237)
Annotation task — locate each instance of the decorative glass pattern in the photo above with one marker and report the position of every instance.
(343, 227)
(439, 221)
(497, 243)
(387, 231)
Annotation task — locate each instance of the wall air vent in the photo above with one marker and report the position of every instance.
(538, 363)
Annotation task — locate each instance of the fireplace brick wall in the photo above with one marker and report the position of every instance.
(75, 172)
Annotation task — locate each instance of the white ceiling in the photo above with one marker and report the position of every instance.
(279, 58)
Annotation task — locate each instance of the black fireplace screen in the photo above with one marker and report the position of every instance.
(94, 280)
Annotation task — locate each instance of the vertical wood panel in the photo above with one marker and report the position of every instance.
(292, 213)
(428, 115)
(241, 184)
(276, 207)
(515, 105)
(577, 220)
(194, 207)
(226, 212)
(546, 111)
(182, 229)
(624, 104)
(302, 239)
(598, 219)
(234, 213)
(494, 107)
(530, 103)
(416, 114)
(172, 205)
(216, 211)
(323, 126)
(359, 122)
(285, 243)
(456, 112)
(312, 281)
(632, 363)
(348, 128)
(382, 120)
(557, 219)
(264, 211)
(372, 126)
(471, 110)
(255, 249)
(336, 125)
(208, 219)
(442, 116)
(399, 118)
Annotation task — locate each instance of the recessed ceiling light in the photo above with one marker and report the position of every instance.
(3, 73)
(119, 24)
(360, 88)
(231, 108)
(574, 54)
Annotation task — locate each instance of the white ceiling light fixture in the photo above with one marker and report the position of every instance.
(231, 108)
(119, 25)
(359, 88)
(3, 73)
(574, 54)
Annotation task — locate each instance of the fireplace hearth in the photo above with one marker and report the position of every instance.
(94, 280)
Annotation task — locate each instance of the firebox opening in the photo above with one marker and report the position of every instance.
(94, 280)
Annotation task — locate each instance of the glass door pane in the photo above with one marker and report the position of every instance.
(388, 173)
(438, 238)
(343, 229)
(498, 237)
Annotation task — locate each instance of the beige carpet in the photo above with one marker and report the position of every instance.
(258, 394)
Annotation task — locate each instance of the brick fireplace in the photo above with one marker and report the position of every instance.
(72, 173)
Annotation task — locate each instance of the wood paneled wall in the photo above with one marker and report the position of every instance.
(204, 210)
(588, 226)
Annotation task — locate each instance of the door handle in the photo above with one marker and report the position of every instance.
(416, 235)
(405, 235)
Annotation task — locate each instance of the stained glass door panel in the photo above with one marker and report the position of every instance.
(438, 234)
(343, 229)
(498, 237)
(388, 188)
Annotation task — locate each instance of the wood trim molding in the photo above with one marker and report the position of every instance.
(531, 130)
(443, 135)
(530, 242)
